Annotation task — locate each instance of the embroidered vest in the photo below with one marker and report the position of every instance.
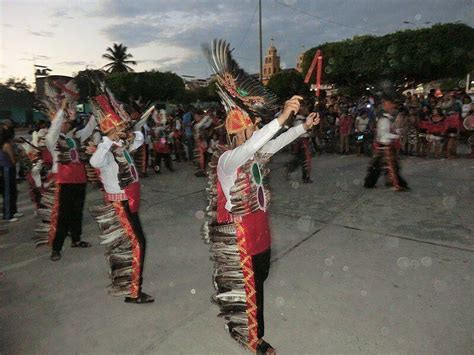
(250, 192)
(127, 173)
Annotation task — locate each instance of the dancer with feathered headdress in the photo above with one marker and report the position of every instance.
(238, 228)
(65, 143)
(118, 219)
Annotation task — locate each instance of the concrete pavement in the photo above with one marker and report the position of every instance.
(353, 271)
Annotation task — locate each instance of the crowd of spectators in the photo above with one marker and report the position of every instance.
(428, 126)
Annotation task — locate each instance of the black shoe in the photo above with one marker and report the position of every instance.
(55, 255)
(307, 181)
(264, 348)
(142, 298)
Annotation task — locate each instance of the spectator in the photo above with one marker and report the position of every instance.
(345, 127)
(188, 133)
(361, 125)
(411, 132)
(162, 151)
(8, 162)
(436, 132)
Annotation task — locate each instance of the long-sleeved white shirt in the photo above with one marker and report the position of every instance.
(299, 120)
(54, 133)
(261, 142)
(384, 134)
(103, 159)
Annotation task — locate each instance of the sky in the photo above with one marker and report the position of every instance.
(71, 35)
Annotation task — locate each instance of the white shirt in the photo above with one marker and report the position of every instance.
(204, 123)
(361, 123)
(299, 120)
(262, 142)
(384, 124)
(103, 159)
(55, 131)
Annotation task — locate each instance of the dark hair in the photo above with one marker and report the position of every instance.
(8, 133)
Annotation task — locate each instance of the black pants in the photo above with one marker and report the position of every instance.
(301, 159)
(9, 191)
(261, 267)
(385, 158)
(166, 157)
(138, 231)
(71, 204)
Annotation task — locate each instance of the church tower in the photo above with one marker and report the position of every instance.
(271, 64)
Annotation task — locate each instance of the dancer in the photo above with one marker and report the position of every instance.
(385, 148)
(118, 219)
(303, 155)
(238, 228)
(65, 143)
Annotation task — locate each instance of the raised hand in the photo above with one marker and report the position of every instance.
(312, 120)
(291, 106)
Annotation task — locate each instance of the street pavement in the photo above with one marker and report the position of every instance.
(354, 271)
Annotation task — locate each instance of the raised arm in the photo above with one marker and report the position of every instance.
(54, 130)
(100, 158)
(86, 132)
(138, 140)
(289, 136)
(231, 160)
(283, 140)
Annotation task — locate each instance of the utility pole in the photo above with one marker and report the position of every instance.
(260, 37)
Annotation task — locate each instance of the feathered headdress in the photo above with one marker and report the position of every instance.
(243, 97)
(55, 93)
(110, 113)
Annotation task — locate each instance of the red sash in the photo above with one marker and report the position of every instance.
(133, 194)
(255, 225)
(72, 173)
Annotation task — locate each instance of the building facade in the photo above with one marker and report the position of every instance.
(271, 64)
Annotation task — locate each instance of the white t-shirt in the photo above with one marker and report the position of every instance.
(361, 123)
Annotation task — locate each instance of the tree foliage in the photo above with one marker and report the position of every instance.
(15, 92)
(288, 83)
(421, 55)
(119, 59)
(149, 85)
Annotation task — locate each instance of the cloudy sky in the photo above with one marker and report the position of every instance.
(68, 35)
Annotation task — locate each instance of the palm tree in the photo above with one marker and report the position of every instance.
(118, 57)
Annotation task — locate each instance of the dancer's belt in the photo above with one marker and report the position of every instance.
(116, 197)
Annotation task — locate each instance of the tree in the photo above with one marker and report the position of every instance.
(288, 83)
(18, 84)
(84, 86)
(442, 51)
(15, 92)
(119, 58)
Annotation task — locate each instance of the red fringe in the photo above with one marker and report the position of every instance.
(136, 251)
(246, 264)
(391, 161)
(54, 216)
